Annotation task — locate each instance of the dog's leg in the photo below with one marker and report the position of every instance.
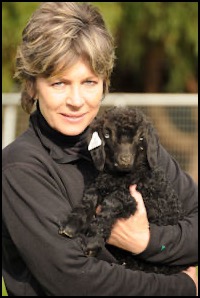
(117, 205)
(78, 220)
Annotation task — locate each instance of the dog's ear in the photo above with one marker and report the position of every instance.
(152, 146)
(96, 148)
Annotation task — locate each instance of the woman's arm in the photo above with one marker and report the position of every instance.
(180, 241)
(168, 244)
(32, 209)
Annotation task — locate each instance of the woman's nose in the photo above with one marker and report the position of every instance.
(75, 97)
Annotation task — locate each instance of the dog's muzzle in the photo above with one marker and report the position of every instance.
(124, 161)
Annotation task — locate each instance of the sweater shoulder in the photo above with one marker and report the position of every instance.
(24, 149)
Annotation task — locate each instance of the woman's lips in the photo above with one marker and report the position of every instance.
(73, 117)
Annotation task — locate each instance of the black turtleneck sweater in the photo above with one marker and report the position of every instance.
(44, 176)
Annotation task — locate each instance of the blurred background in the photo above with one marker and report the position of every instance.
(157, 53)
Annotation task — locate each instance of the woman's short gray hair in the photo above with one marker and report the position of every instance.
(56, 36)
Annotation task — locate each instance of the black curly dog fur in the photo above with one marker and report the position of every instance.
(127, 155)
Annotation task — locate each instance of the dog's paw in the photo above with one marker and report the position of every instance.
(69, 229)
(93, 247)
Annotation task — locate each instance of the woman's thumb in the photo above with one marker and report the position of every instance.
(137, 196)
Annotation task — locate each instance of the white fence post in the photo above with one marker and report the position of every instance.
(10, 101)
(9, 124)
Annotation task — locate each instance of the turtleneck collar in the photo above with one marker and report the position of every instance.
(62, 148)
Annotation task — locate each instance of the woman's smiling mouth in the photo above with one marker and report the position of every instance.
(73, 117)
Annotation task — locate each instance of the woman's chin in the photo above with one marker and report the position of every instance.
(73, 131)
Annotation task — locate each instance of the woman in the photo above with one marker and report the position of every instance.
(64, 63)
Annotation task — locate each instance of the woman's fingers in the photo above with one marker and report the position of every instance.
(138, 197)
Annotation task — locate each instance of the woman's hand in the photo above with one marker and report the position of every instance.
(132, 234)
(192, 272)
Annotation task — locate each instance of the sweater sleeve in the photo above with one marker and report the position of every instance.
(32, 208)
(178, 244)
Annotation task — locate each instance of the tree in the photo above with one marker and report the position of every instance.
(156, 43)
(157, 47)
(14, 17)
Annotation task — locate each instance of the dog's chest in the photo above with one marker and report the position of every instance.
(106, 183)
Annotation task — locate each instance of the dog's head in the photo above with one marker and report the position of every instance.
(121, 139)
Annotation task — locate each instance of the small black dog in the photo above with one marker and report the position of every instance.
(123, 146)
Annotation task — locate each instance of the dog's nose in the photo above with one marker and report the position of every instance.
(125, 159)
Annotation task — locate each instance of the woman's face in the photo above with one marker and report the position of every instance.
(69, 103)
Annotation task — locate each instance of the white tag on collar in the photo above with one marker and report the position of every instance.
(95, 141)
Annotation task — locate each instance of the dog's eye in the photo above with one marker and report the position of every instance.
(107, 135)
(141, 139)
(141, 148)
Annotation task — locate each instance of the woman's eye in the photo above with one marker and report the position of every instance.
(58, 84)
(90, 83)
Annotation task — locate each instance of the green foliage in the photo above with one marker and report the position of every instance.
(171, 26)
(14, 17)
(141, 29)
(112, 13)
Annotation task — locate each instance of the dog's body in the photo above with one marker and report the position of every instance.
(124, 150)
